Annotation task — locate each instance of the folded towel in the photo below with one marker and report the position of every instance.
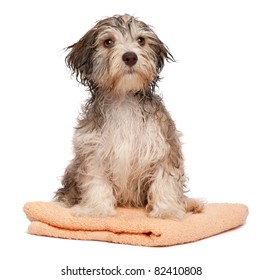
(133, 226)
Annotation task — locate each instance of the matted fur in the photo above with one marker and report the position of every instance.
(127, 149)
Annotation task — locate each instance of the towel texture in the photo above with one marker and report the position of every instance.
(132, 226)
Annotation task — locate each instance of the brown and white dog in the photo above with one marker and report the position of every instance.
(126, 146)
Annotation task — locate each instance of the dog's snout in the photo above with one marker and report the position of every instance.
(130, 58)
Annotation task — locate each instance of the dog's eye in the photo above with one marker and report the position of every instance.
(109, 43)
(141, 41)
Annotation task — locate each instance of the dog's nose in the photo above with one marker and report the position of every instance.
(130, 58)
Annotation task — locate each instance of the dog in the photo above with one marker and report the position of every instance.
(127, 150)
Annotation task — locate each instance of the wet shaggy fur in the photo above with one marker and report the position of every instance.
(127, 151)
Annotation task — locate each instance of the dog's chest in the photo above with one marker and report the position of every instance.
(132, 142)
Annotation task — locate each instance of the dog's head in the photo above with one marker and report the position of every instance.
(120, 54)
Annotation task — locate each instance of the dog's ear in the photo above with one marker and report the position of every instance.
(162, 53)
(80, 57)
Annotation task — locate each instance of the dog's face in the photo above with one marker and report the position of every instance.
(119, 54)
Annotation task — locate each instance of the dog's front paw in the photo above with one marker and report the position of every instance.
(84, 211)
(173, 214)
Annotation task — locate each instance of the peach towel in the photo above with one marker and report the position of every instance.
(132, 226)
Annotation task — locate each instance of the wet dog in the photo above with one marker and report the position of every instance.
(127, 150)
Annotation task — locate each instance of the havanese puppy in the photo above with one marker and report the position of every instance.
(127, 150)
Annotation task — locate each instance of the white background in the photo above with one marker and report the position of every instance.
(213, 93)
